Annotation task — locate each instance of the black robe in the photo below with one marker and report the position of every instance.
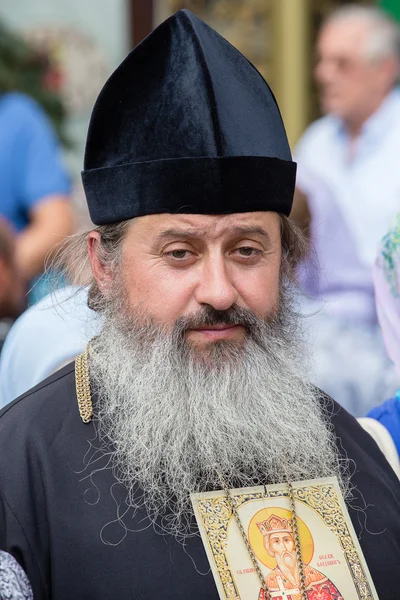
(65, 523)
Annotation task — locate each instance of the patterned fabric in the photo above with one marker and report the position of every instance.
(318, 587)
(14, 584)
(387, 290)
(390, 252)
(387, 293)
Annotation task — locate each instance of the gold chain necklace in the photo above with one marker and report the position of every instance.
(82, 383)
(267, 593)
(84, 396)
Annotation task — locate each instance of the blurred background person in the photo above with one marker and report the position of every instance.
(12, 291)
(45, 338)
(14, 584)
(387, 288)
(53, 62)
(34, 185)
(348, 188)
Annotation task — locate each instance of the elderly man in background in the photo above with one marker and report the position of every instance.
(348, 189)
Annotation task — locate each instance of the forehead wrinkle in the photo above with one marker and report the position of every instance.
(181, 233)
(159, 222)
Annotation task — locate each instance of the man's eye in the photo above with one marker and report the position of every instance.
(344, 64)
(178, 254)
(248, 251)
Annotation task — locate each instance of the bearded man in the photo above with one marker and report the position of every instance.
(197, 377)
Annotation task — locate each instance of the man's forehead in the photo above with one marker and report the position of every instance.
(206, 225)
(344, 37)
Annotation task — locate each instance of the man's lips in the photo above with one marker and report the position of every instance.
(216, 332)
(214, 327)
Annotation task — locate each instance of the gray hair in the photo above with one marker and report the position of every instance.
(384, 34)
(72, 262)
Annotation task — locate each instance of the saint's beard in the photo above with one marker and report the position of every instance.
(182, 419)
(287, 563)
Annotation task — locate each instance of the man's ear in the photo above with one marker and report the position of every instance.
(388, 70)
(101, 273)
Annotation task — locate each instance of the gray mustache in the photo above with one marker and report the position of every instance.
(208, 316)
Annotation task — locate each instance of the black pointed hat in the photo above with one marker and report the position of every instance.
(186, 124)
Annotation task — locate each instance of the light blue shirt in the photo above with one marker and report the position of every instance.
(388, 414)
(30, 160)
(44, 338)
(352, 199)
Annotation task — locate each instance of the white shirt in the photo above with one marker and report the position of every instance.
(44, 338)
(352, 200)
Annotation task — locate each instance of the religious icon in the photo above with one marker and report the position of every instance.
(313, 549)
(278, 541)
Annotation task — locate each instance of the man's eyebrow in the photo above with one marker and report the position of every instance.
(196, 233)
(256, 230)
(180, 233)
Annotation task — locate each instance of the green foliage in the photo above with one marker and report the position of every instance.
(392, 7)
(24, 69)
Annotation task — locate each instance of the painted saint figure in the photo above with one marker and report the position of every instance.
(284, 581)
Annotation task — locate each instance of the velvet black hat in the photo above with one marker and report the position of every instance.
(186, 124)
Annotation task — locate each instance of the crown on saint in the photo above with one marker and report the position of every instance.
(275, 524)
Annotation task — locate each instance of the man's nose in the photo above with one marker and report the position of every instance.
(288, 546)
(215, 286)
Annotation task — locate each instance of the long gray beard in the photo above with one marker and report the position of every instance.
(181, 420)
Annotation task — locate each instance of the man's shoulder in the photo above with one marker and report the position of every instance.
(21, 106)
(357, 446)
(343, 423)
(271, 580)
(63, 314)
(313, 576)
(54, 395)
